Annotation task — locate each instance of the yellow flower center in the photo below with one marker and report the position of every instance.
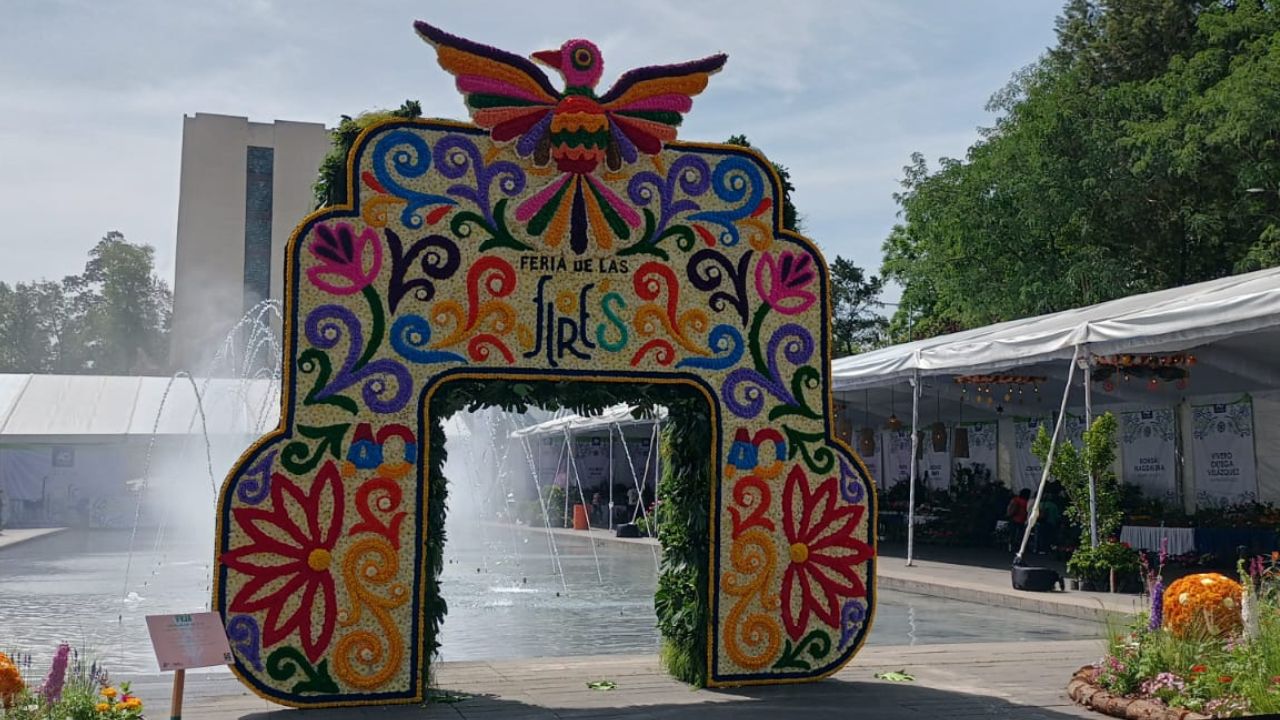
(799, 552)
(319, 560)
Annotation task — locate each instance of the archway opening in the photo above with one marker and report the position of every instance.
(549, 595)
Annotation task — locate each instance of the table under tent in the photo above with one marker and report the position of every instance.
(1190, 374)
(608, 463)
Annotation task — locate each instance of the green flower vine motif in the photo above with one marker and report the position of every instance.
(285, 662)
(463, 223)
(317, 361)
(298, 457)
(820, 460)
(648, 245)
(817, 644)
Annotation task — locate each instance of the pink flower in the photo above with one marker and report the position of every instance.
(52, 688)
(342, 258)
(781, 281)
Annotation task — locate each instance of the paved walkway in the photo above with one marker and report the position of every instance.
(15, 536)
(1001, 680)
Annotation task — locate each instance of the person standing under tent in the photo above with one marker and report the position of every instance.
(1016, 513)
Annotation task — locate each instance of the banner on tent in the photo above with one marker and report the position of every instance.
(1147, 447)
(591, 460)
(1028, 470)
(983, 441)
(1222, 436)
(1072, 431)
(937, 459)
(897, 456)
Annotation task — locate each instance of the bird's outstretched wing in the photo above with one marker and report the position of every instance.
(505, 93)
(647, 104)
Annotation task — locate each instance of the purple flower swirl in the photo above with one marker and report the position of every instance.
(690, 174)
(852, 617)
(255, 484)
(455, 155)
(246, 638)
(324, 330)
(796, 345)
(851, 484)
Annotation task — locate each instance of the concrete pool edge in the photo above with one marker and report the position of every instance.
(980, 585)
(16, 536)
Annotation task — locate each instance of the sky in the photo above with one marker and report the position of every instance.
(92, 93)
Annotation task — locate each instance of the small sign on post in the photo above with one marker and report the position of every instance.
(195, 640)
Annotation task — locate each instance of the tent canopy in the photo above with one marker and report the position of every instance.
(1214, 312)
(616, 415)
(42, 406)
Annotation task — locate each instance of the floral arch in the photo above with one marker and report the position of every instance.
(562, 249)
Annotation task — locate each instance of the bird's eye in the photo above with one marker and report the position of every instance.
(582, 58)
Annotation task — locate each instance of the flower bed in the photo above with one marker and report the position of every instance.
(71, 690)
(1209, 648)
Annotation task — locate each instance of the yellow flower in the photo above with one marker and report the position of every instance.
(132, 703)
(102, 707)
(108, 692)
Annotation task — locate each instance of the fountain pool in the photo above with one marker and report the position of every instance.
(502, 604)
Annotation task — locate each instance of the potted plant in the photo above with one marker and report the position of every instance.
(1094, 567)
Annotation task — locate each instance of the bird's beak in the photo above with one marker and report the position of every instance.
(550, 58)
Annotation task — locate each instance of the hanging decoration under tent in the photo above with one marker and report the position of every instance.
(1152, 369)
(983, 389)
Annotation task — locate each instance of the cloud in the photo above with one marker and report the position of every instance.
(840, 91)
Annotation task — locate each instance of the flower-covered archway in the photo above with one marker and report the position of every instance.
(562, 250)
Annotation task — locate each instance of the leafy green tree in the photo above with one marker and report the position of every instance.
(1139, 153)
(123, 307)
(331, 185)
(856, 323)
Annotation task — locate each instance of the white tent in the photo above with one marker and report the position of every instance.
(1174, 319)
(1229, 328)
(617, 415)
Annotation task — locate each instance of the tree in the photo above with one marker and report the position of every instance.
(111, 319)
(331, 185)
(856, 324)
(123, 308)
(1140, 153)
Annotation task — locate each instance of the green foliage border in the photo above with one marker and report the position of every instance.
(683, 598)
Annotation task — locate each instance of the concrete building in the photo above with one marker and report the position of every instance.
(244, 187)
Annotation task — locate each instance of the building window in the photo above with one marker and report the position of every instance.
(259, 173)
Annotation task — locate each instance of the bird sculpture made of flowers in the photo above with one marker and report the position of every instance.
(574, 129)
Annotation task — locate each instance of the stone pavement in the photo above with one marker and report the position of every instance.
(996, 680)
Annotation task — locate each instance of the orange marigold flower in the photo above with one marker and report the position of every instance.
(102, 707)
(108, 692)
(10, 679)
(1224, 679)
(1209, 600)
(1197, 669)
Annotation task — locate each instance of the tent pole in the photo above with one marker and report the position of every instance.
(611, 479)
(1088, 423)
(1048, 461)
(915, 447)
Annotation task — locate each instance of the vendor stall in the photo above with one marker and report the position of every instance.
(1188, 371)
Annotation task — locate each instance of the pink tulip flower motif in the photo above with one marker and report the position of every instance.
(782, 281)
(342, 259)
